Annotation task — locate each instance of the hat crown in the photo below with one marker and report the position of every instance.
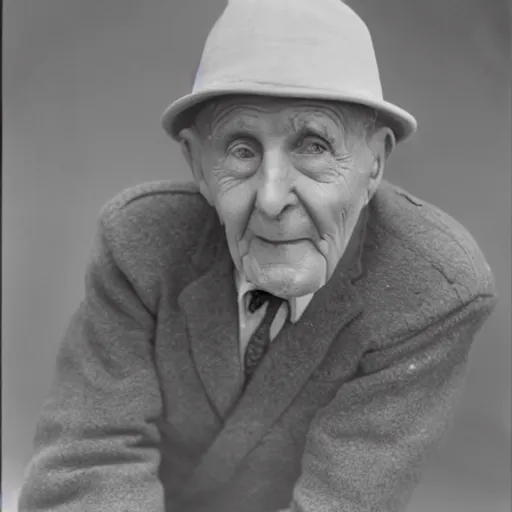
(318, 49)
(304, 44)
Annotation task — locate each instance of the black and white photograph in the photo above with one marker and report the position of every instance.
(256, 256)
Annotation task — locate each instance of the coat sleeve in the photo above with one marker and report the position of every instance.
(366, 450)
(96, 445)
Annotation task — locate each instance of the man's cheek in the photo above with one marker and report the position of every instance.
(329, 215)
(234, 225)
(333, 226)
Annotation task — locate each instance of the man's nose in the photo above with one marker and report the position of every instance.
(275, 186)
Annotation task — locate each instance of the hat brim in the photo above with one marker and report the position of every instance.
(179, 113)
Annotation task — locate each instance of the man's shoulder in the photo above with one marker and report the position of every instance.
(156, 222)
(162, 205)
(430, 250)
(156, 197)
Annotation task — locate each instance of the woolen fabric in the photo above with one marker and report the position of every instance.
(146, 412)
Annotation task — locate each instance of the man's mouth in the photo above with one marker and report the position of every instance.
(281, 241)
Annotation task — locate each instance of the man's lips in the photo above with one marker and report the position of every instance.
(282, 240)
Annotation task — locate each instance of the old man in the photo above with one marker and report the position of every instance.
(290, 332)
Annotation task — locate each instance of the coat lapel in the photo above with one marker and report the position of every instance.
(291, 359)
(210, 308)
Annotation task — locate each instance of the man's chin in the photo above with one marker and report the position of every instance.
(283, 281)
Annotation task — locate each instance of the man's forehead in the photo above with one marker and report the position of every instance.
(236, 109)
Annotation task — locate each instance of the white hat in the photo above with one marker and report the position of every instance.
(317, 49)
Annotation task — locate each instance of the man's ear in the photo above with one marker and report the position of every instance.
(191, 149)
(381, 145)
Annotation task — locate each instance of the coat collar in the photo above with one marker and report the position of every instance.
(210, 306)
(296, 305)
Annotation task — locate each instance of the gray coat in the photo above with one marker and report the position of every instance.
(147, 412)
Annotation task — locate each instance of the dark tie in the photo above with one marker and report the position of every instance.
(260, 340)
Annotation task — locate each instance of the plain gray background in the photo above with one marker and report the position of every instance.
(85, 82)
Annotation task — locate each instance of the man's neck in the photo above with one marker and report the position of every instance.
(297, 305)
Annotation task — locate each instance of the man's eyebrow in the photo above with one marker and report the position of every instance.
(304, 126)
(225, 119)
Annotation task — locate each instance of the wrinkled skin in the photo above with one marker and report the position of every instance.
(288, 179)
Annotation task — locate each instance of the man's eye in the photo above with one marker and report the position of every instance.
(314, 147)
(243, 153)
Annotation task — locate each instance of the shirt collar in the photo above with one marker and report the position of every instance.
(297, 305)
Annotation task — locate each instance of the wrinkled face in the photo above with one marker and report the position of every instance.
(288, 180)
